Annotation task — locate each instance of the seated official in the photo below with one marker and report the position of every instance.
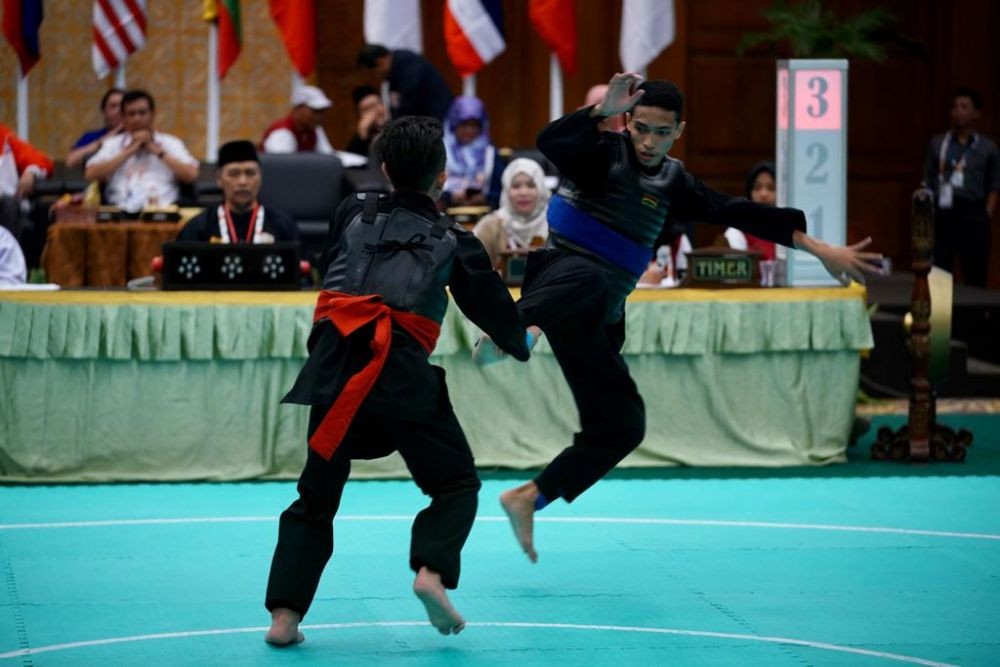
(13, 269)
(520, 222)
(91, 141)
(240, 218)
(141, 166)
(300, 131)
(760, 189)
(21, 166)
(372, 118)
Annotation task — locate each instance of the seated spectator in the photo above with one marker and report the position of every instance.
(520, 222)
(372, 117)
(474, 167)
(760, 188)
(416, 87)
(240, 218)
(13, 269)
(141, 166)
(610, 123)
(300, 130)
(21, 165)
(90, 142)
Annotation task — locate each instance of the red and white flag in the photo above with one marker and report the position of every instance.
(119, 30)
(473, 33)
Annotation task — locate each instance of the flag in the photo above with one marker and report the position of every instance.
(555, 23)
(395, 24)
(119, 30)
(21, 20)
(296, 20)
(473, 33)
(226, 14)
(648, 27)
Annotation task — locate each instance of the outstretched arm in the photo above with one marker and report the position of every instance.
(842, 262)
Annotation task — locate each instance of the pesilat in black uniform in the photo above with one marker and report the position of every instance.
(373, 390)
(603, 223)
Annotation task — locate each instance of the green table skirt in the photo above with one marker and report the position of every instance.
(116, 386)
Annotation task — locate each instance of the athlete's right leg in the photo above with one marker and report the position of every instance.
(305, 538)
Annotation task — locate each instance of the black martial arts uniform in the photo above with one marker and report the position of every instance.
(407, 408)
(603, 222)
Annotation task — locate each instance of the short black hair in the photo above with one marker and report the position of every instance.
(662, 94)
(106, 96)
(412, 150)
(135, 95)
(974, 96)
(361, 92)
(369, 54)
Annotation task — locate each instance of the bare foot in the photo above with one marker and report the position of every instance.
(519, 504)
(284, 629)
(431, 592)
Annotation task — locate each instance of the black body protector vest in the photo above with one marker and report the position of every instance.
(631, 202)
(398, 254)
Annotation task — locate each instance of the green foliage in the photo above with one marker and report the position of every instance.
(810, 31)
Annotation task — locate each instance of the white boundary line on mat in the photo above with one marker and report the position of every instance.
(538, 519)
(547, 626)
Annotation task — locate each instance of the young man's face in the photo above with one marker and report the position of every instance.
(963, 113)
(138, 115)
(240, 183)
(653, 131)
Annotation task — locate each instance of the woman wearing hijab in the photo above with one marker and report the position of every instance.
(473, 164)
(521, 216)
(761, 189)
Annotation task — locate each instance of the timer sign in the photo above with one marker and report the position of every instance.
(812, 155)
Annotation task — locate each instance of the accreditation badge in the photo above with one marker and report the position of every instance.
(945, 196)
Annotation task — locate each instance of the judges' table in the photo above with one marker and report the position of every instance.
(106, 254)
(186, 385)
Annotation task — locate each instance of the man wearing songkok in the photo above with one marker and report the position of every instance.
(240, 218)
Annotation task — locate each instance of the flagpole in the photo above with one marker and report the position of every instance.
(22, 103)
(555, 88)
(120, 76)
(212, 125)
(297, 80)
(469, 85)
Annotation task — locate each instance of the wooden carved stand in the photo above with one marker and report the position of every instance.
(922, 438)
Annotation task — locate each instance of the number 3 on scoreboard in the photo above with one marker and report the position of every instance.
(818, 100)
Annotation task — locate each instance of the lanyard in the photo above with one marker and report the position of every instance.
(960, 164)
(254, 228)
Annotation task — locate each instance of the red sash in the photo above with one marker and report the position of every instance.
(349, 313)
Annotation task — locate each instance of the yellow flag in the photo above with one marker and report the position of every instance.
(210, 10)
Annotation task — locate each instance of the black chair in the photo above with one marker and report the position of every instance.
(306, 186)
(205, 190)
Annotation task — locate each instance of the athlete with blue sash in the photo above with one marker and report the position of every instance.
(618, 191)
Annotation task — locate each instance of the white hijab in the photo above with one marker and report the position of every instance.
(522, 228)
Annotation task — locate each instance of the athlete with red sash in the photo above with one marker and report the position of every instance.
(372, 389)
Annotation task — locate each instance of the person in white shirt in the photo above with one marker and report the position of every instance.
(300, 130)
(13, 270)
(141, 166)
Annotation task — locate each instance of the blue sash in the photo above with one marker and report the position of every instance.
(586, 231)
